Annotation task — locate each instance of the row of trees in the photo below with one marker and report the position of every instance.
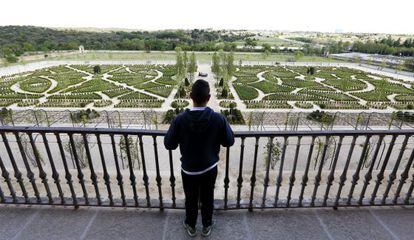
(186, 65)
(16, 40)
(223, 64)
(386, 46)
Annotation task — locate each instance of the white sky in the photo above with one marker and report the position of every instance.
(385, 16)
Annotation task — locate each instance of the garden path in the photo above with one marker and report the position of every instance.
(370, 87)
(237, 100)
(391, 97)
(214, 102)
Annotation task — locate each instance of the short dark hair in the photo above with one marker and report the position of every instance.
(200, 91)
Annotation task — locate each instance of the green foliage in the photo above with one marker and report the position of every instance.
(233, 115)
(223, 64)
(84, 115)
(246, 92)
(405, 116)
(10, 58)
(224, 93)
(97, 69)
(186, 82)
(48, 39)
(5, 116)
(321, 116)
(179, 104)
(192, 66)
(311, 70)
(171, 114)
(386, 46)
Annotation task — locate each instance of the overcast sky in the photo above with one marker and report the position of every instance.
(384, 16)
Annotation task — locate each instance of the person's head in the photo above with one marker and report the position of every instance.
(200, 93)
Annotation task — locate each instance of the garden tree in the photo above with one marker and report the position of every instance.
(233, 115)
(97, 69)
(250, 42)
(83, 116)
(221, 83)
(224, 93)
(311, 71)
(192, 66)
(186, 82)
(215, 66)
(179, 63)
(230, 64)
(267, 47)
(321, 117)
(181, 92)
(223, 64)
(171, 114)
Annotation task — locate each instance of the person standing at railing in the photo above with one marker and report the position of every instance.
(199, 132)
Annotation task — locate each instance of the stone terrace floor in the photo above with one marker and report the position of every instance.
(24, 222)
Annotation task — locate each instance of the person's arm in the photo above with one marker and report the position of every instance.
(171, 139)
(227, 136)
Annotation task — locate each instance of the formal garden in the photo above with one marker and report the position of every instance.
(236, 86)
(337, 88)
(90, 86)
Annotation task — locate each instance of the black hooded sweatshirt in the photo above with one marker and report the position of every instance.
(199, 134)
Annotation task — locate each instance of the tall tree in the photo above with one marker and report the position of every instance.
(179, 63)
(192, 67)
(215, 66)
(230, 64)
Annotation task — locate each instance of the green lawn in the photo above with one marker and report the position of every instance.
(204, 57)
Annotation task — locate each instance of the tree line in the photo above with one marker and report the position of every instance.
(16, 40)
(386, 46)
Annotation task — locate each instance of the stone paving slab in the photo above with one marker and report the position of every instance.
(44, 222)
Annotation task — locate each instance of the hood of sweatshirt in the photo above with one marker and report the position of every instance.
(198, 121)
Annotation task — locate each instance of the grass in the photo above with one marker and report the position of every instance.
(204, 57)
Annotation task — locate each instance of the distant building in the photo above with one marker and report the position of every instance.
(81, 49)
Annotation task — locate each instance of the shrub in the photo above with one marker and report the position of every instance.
(224, 93)
(171, 114)
(97, 69)
(84, 115)
(311, 70)
(11, 58)
(321, 116)
(322, 105)
(233, 116)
